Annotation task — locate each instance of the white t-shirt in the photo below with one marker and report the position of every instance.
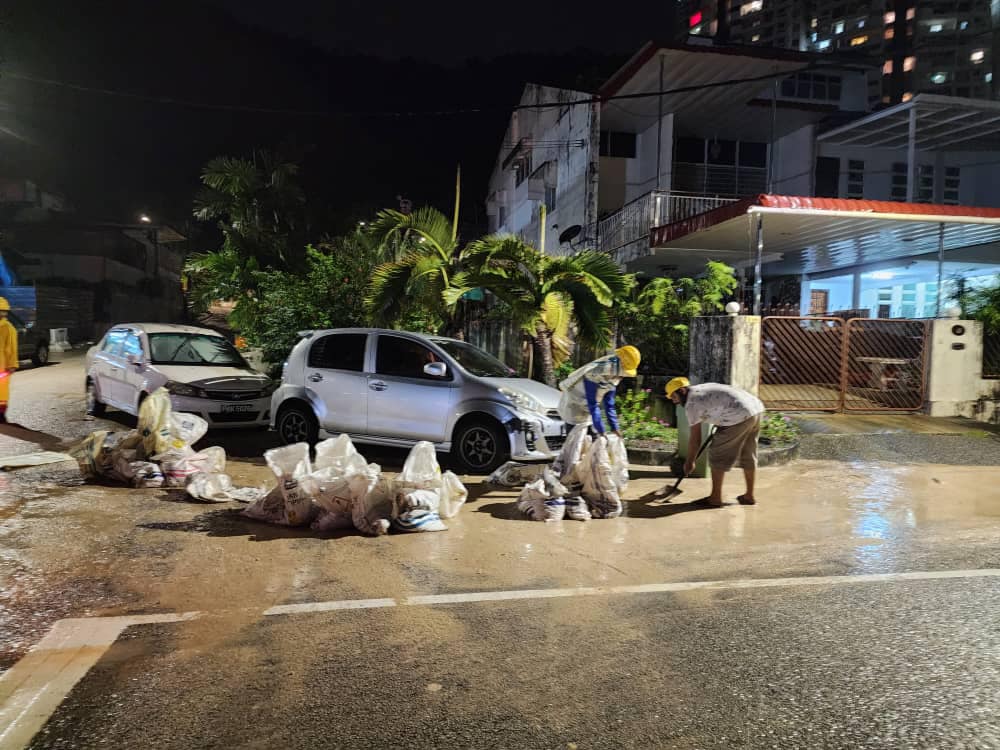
(721, 405)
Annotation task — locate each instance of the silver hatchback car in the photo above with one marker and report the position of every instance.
(396, 388)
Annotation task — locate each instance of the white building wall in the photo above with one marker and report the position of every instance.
(562, 141)
(794, 163)
(641, 171)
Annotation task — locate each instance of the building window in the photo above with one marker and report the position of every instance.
(939, 77)
(890, 18)
(827, 177)
(887, 68)
(977, 56)
(899, 176)
(812, 86)
(963, 25)
(855, 179)
(909, 63)
(858, 41)
(935, 28)
(925, 183)
(617, 144)
(550, 198)
(838, 27)
(911, 13)
(824, 44)
(889, 33)
(694, 20)
(907, 96)
(755, 38)
(952, 178)
(752, 7)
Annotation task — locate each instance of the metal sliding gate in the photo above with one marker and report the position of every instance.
(829, 364)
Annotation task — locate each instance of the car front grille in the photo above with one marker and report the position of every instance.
(238, 416)
(553, 414)
(555, 442)
(233, 395)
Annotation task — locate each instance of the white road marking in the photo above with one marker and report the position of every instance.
(32, 689)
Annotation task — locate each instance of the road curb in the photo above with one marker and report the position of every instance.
(766, 456)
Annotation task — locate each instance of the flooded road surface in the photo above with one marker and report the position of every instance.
(534, 635)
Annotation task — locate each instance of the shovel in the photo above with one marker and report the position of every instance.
(667, 494)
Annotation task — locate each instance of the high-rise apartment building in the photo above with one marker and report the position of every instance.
(934, 46)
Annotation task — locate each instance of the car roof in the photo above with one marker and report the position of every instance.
(168, 328)
(409, 334)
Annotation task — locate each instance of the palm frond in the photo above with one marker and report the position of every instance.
(387, 291)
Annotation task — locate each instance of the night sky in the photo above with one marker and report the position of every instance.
(116, 154)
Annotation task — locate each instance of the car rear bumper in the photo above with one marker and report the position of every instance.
(226, 414)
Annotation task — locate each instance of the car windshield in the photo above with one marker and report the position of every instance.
(474, 359)
(193, 349)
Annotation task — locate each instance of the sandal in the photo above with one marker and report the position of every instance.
(744, 500)
(705, 503)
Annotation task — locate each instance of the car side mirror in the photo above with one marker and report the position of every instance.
(436, 369)
(136, 360)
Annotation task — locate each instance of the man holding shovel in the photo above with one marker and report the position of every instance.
(737, 417)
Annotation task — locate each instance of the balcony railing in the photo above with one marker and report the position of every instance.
(626, 232)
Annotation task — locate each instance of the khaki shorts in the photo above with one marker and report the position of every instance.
(735, 445)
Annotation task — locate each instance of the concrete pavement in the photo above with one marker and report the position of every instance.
(854, 662)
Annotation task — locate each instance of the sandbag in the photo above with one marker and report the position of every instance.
(338, 457)
(210, 487)
(179, 465)
(566, 465)
(417, 498)
(290, 503)
(154, 423)
(514, 474)
(186, 429)
(599, 487)
(420, 470)
(371, 513)
(453, 495)
(577, 510)
(543, 499)
(97, 454)
(619, 462)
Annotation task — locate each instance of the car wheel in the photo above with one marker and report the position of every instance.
(95, 407)
(480, 446)
(41, 356)
(297, 424)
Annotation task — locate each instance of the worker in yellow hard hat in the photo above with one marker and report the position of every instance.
(737, 417)
(592, 386)
(8, 356)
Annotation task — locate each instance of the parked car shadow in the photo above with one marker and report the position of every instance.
(229, 522)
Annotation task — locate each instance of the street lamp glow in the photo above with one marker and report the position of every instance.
(145, 219)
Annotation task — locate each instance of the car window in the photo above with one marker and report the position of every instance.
(113, 343)
(339, 351)
(405, 358)
(132, 345)
(475, 360)
(193, 349)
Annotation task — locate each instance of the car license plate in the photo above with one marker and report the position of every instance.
(236, 408)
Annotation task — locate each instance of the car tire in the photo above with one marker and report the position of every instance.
(296, 423)
(95, 407)
(41, 356)
(480, 446)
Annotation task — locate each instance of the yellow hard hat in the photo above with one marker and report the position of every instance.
(4, 305)
(676, 384)
(629, 357)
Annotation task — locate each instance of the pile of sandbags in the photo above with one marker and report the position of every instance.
(342, 490)
(158, 453)
(586, 480)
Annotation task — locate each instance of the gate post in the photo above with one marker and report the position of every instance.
(726, 349)
(954, 368)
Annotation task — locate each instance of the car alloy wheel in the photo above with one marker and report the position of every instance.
(295, 425)
(479, 447)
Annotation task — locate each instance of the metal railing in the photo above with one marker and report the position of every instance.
(633, 221)
(718, 179)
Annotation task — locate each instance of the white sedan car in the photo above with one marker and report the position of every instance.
(203, 372)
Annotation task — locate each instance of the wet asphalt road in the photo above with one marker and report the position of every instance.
(890, 664)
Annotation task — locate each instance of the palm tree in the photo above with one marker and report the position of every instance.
(540, 290)
(422, 259)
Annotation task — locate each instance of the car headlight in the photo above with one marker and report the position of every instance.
(181, 389)
(521, 400)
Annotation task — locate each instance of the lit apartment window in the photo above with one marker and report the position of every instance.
(838, 27)
(813, 37)
(907, 96)
(887, 68)
(909, 63)
(861, 23)
(752, 7)
(824, 44)
(939, 77)
(755, 38)
(911, 13)
(978, 56)
(814, 23)
(855, 179)
(858, 41)
(952, 179)
(963, 26)
(989, 78)
(935, 28)
(890, 18)
(889, 33)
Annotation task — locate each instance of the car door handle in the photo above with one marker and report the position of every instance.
(377, 385)
(315, 377)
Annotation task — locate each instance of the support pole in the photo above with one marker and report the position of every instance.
(659, 130)
(542, 214)
(940, 272)
(911, 156)
(758, 261)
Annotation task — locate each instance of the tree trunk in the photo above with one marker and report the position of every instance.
(543, 342)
